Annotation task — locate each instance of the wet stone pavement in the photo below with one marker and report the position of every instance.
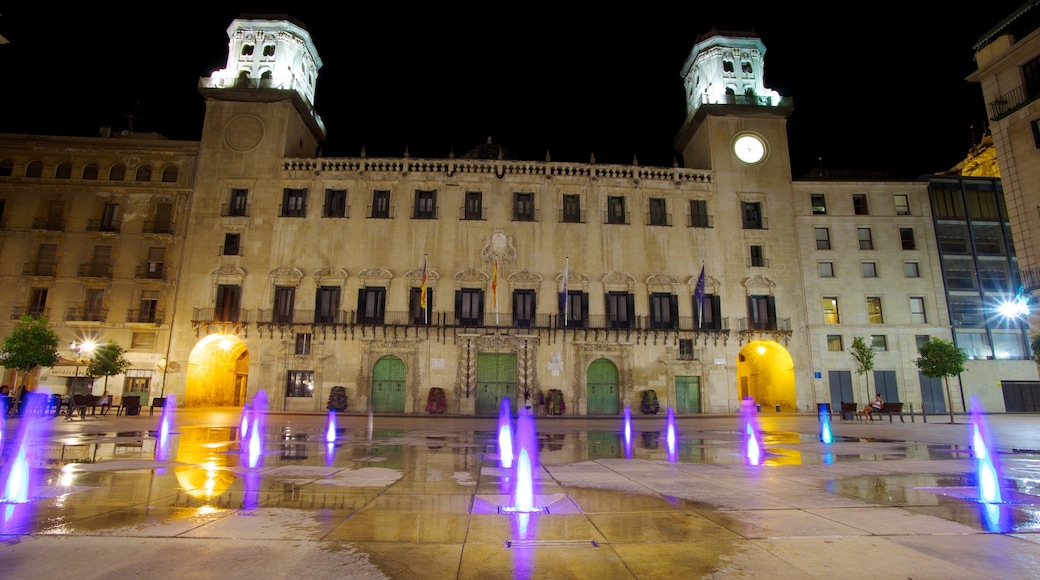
(422, 497)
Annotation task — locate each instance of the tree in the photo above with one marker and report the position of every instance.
(108, 360)
(941, 359)
(32, 343)
(863, 354)
(1036, 347)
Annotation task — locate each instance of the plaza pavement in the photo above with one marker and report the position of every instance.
(419, 497)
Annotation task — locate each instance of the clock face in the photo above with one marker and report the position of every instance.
(749, 148)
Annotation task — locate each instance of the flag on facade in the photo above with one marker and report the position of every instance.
(494, 285)
(422, 288)
(563, 290)
(698, 294)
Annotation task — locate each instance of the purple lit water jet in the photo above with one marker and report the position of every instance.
(986, 463)
(243, 426)
(526, 463)
(628, 432)
(330, 431)
(256, 430)
(505, 435)
(673, 454)
(16, 471)
(752, 435)
(163, 445)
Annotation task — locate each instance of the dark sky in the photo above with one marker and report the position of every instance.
(875, 87)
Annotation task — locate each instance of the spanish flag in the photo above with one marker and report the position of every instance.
(494, 285)
(422, 288)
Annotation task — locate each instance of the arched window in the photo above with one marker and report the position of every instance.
(6, 166)
(90, 171)
(269, 50)
(64, 171)
(247, 50)
(169, 174)
(144, 173)
(117, 173)
(34, 169)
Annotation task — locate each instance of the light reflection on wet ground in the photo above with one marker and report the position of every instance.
(436, 484)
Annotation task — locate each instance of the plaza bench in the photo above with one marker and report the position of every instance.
(850, 412)
(891, 409)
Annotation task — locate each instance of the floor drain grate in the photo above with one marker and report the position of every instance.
(511, 511)
(551, 544)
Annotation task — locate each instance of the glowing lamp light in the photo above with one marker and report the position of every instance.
(761, 350)
(225, 344)
(1013, 308)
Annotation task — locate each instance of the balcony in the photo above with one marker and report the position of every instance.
(158, 227)
(572, 217)
(335, 211)
(152, 271)
(778, 329)
(614, 217)
(145, 316)
(1010, 102)
(380, 212)
(701, 221)
(49, 224)
(471, 213)
(47, 269)
(104, 226)
(755, 223)
(233, 210)
(92, 270)
(656, 219)
(86, 314)
(525, 215)
(35, 311)
(226, 320)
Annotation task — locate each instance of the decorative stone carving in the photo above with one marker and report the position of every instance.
(711, 285)
(498, 246)
(228, 274)
(286, 276)
(415, 276)
(472, 275)
(759, 281)
(331, 276)
(375, 277)
(618, 282)
(661, 283)
(525, 280)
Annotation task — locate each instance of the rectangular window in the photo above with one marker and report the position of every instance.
(572, 209)
(417, 316)
(834, 343)
(227, 303)
(830, 310)
(616, 210)
(819, 203)
(371, 305)
(231, 245)
(869, 269)
(94, 305)
(154, 263)
(142, 341)
(874, 315)
(906, 238)
(299, 384)
(109, 218)
(523, 207)
(686, 349)
(823, 238)
(380, 204)
(826, 269)
(859, 204)
(148, 306)
(659, 212)
(751, 213)
(710, 316)
(917, 314)
(879, 342)
(761, 313)
(576, 313)
(902, 201)
(237, 203)
(620, 310)
(469, 307)
(921, 340)
(101, 262)
(866, 241)
(523, 308)
(335, 203)
(911, 270)
(326, 305)
(294, 202)
(303, 343)
(757, 257)
(699, 217)
(37, 302)
(46, 260)
(473, 209)
(284, 297)
(664, 311)
(948, 203)
(425, 205)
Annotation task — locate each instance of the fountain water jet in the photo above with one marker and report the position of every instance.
(526, 464)
(825, 426)
(673, 454)
(330, 431)
(628, 432)
(243, 427)
(163, 445)
(16, 472)
(752, 436)
(256, 430)
(505, 435)
(986, 463)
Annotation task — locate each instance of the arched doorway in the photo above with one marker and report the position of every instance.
(388, 385)
(218, 372)
(765, 372)
(601, 388)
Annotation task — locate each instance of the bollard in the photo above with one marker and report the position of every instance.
(912, 413)
(758, 407)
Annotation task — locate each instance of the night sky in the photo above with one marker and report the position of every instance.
(878, 90)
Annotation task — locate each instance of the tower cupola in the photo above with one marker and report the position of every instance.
(726, 68)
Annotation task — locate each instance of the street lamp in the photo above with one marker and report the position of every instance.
(78, 348)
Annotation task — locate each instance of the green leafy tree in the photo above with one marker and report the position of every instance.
(863, 354)
(108, 360)
(31, 344)
(941, 359)
(1036, 347)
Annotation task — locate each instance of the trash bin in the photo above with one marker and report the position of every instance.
(778, 407)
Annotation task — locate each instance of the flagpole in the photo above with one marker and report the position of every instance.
(494, 289)
(422, 293)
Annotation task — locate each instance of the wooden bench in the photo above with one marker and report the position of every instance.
(81, 402)
(891, 409)
(129, 405)
(157, 403)
(850, 412)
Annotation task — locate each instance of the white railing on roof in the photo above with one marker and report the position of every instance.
(499, 168)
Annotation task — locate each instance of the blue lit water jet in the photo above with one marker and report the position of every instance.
(673, 454)
(986, 463)
(752, 435)
(330, 431)
(505, 435)
(826, 435)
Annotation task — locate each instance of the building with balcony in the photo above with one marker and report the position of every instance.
(483, 275)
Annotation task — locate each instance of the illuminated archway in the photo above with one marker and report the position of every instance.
(765, 372)
(218, 368)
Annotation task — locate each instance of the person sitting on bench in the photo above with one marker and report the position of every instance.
(874, 407)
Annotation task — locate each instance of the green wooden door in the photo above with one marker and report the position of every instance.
(388, 385)
(496, 378)
(602, 388)
(687, 395)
